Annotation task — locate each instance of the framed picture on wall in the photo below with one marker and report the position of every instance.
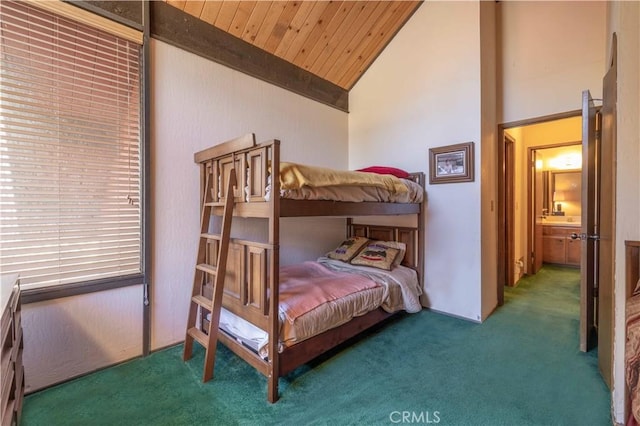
(452, 163)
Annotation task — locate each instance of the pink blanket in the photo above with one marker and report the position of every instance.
(305, 286)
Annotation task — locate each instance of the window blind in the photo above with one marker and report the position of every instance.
(70, 161)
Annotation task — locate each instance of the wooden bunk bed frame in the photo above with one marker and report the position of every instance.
(252, 271)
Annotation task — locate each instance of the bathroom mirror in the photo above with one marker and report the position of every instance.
(563, 192)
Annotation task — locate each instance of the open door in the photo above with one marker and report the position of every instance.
(606, 220)
(589, 231)
(598, 221)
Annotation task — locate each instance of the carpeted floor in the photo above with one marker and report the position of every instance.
(520, 367)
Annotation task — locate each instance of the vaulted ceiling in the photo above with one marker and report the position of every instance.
(334, 40)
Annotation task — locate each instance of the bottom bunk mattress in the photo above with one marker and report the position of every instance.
(318, 296)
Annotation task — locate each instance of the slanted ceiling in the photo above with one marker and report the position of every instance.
(334, 40)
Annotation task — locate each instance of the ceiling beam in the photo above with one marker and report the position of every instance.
(182, 30)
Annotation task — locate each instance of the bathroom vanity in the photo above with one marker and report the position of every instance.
(557, 245)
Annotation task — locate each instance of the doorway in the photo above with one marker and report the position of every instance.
(546, 200)
(522, 186)
(555, 206)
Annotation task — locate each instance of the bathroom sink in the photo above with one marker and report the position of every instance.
(560, 223)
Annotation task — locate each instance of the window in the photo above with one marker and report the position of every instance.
(70, 139)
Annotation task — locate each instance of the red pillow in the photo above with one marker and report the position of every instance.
(382, 170)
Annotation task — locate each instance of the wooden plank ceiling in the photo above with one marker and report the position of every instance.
(335, 40)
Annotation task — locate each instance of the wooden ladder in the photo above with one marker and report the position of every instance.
(206, 272)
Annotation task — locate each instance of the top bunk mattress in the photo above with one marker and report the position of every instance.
(304, 190)
(303, 182)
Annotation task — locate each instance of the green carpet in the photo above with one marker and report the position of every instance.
(520, 367)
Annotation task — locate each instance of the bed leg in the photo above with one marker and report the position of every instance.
(272, 391)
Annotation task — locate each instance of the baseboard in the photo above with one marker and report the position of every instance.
(476, 321)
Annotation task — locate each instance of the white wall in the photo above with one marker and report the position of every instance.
(624, 20)
(69, 337)
(422, 92)
(551, 51)
(197, 103)
(430, 87)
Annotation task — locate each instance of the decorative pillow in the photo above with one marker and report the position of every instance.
(383, 170)
(349, 248)
(376, 255)
(637, 289)
(401, 247)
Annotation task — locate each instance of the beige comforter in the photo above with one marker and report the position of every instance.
(300, 182)
(296, 176)
(357, 194)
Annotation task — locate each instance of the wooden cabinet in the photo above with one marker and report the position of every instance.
(554, 249)
(12, 371)
(574, 252)
(558, 247)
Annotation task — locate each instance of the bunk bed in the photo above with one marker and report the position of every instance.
(252, 293)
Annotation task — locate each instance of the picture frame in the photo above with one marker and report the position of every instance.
(452, 163)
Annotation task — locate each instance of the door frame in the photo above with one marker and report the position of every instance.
(501, 201)
(506, 238)
(509, 167)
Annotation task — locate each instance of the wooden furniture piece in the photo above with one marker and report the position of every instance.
(558, 247)
(12, 383)
(251, 289)
(209, 273)
(632, 274)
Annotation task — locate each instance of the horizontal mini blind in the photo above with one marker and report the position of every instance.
(69, 150)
